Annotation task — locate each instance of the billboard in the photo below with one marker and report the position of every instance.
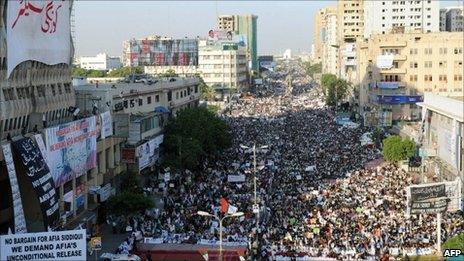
(39, 31)
(388, 85)
(399, 99)
(39, 175)
(164, 52)
(218, 35)
(72, 149)
(62, 245)
(19, 220)
(148, 152)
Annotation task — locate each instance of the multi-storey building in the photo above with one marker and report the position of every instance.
(396, 69)
(443, 132)
(223, 65)
(243, 25)
(318, 35)
(382, 17)
(101, 61)
(330, 51)
(350, 22)
(452, 19)
(160, 51)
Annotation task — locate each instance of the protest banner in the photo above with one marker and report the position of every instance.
(106, 125)
(236, 178)
(61, 245)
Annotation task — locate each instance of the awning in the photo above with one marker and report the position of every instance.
(161, 109)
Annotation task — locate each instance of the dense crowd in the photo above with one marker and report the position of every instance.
(316, 197)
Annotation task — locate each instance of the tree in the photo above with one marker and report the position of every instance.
(79, 72)
(207, 92)
(456, 242)
(129, 203)
(377, 137)
(334, 89)
(396, 149)
(169, 73)
(126, 71)
(311, 69)
(194, 134)
(131, 182)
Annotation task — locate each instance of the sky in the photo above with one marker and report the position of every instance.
(102, 26)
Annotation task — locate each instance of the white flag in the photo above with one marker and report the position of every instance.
(39, 31)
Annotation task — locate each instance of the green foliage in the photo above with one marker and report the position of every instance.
(131, 182)
(169, 73)
(334, 89)
(194, 134)
(79, 72)
(207, 92)
(312, 69)
(129, 203)
(377, 137)
(456, 242)
(213, 108)
(126, 71)
(396, 149)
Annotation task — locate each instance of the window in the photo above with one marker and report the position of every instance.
(413, 64)
(458, 78)
(442, 64)
(125, 104)
(196, 88)
(442, 78)
(52, 87)
(413, 78)
(149, 100)
(132, 103)
(157, 98)
(428, 78)
(170, 96)
(413, 51)
(443, 50)
(428, 64)
(457, 50)
(140, 102)
(428, 51)
(177, 95)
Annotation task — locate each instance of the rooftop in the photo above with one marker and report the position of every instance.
(451, 107)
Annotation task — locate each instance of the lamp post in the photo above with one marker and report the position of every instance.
(206, 214)
(254, 182)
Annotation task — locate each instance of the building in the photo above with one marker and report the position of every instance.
(381, 17)
(243, 25)
(397, 69)
(223, 65)
(287, 54)
(452, 19)
(184, 71)
(160, 51)
(318, 35)
(101, 61)
(350, 20)
(442, 135)
(329, 32)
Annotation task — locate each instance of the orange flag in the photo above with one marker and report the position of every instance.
(224, 205)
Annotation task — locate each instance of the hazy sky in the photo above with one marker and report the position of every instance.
(102, 26)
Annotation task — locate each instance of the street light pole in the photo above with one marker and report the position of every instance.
(220, 220)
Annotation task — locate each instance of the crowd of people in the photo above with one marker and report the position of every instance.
(315, 194)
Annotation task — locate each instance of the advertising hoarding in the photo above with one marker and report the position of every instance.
(62, 245)
(388, 85)
(434, 197)
(39, 31)
(72, 149)
(399, 99)
(39, 175)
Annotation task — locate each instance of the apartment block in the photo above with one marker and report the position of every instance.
(381, 17)
(397, 69)
(243, 25)
(101, 61)
(452, 19)
(223, 65)
(350, 20)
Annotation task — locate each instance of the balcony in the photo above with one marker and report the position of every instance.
(394, 44)
(393, 71)
(399, 57)
(350, 63)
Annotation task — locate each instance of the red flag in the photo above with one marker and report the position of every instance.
(224, 205)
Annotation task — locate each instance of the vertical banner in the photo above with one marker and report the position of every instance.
(106, 125)
(39, 31)
(19, 220)
(41, 145)
(39, 174)
(72, 149)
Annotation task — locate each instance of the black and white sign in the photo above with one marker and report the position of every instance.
(39, 174)
(62, 245)
(19, 221)
(434, 197)
(428, 192)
